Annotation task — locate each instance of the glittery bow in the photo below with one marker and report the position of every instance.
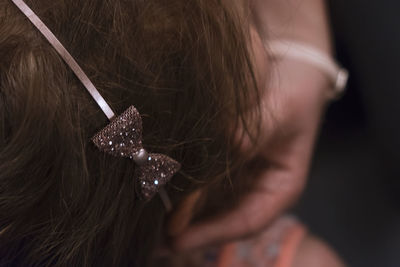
(122, 137)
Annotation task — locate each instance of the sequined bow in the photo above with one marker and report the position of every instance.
(122, 137)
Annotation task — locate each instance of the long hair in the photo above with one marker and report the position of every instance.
(185, 65)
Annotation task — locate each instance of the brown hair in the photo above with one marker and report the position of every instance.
(185, 65)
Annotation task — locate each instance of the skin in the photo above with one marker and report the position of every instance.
(292, 106)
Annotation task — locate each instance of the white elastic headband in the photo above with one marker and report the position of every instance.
(311, 55)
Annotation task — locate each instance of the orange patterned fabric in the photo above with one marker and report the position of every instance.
(275, 247)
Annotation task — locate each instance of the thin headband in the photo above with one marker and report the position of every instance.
(66, 56)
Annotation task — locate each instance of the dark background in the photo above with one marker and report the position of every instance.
(353, 196)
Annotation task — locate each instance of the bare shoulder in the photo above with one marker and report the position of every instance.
(313, 252)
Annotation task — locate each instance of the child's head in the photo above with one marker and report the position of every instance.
(185, 65)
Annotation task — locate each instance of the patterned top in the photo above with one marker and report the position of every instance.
(275, 247)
